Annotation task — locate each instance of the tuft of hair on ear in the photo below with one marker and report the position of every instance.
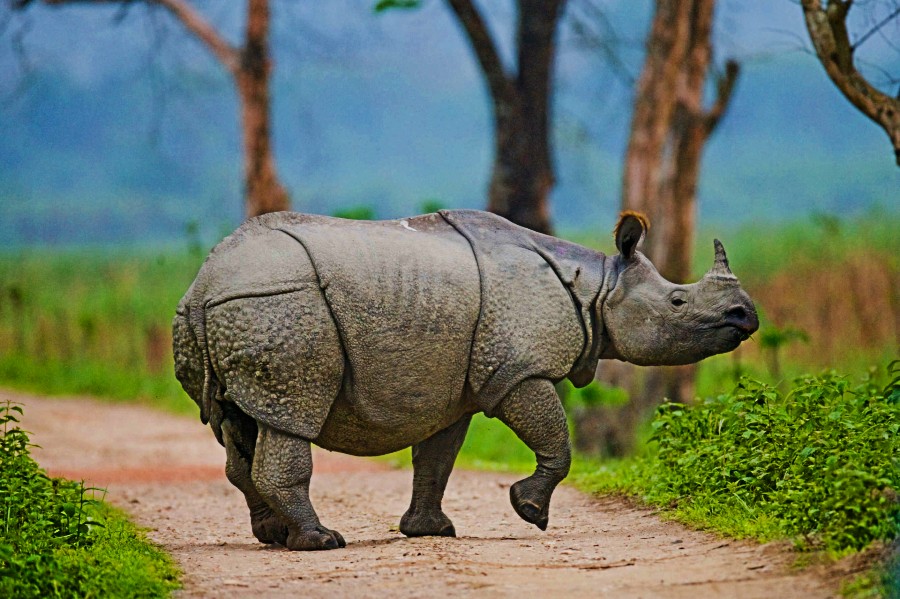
(629, 232)
(638, 215)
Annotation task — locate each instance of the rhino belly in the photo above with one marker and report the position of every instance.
(349, 430)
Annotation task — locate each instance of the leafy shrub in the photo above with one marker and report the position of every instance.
(821, 462)
(56, 542)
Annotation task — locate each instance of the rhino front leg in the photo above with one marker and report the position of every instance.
(432, 462)
(282, 468)
(239, 438)
(533, 411)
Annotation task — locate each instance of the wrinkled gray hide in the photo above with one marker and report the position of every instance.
(368, 337)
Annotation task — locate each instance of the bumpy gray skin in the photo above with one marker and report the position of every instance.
(368, 337)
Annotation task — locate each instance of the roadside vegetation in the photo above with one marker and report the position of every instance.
(819, 464)
(59, 540)
(93, 322)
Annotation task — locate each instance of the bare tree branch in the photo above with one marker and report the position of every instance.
(250, 68)
(500, 84)
(724, 92)
(876, 28)
(607, 40)
(828, 30)
(193, 21)
(22, 61)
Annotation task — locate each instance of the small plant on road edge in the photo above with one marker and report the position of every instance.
(55, 541)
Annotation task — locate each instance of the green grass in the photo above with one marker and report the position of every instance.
(93, 377)
(93, 322)
(58, 540)
(489, 445)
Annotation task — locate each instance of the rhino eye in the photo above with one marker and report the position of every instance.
(678, 302)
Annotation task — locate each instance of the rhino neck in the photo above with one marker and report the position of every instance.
(597, 343)
(606, 350)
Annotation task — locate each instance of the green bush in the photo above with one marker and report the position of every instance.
(820, 463)
(57, 542)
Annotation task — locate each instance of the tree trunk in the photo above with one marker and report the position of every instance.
(654, 106)
(523, 175)
(669, 130)
(250, 67)
(263, 191)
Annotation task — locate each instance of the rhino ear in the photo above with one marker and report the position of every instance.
(629, 232)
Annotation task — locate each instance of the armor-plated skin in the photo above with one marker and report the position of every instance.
(367, 337)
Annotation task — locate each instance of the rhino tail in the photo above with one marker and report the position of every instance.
(197, 319)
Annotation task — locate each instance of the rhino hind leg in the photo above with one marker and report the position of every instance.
(432, 463)
(533, 411)
(282, 468)
(239, 433)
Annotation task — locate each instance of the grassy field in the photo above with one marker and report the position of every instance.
(94, 321)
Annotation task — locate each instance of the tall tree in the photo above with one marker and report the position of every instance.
(669, 130)
(250, 67)
(523, 173)
(827, 26)
(670, 127)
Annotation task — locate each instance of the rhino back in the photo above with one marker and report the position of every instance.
(405, 296)
(256, 259)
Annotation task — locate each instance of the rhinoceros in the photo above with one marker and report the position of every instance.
(369, 337)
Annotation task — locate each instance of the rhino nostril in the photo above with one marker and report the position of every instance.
(736, 313)
(742, 318)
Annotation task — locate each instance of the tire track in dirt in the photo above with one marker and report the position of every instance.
(168, 472)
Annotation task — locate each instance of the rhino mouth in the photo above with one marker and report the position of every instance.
(741, 332)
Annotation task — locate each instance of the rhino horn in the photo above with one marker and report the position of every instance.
(720, 269)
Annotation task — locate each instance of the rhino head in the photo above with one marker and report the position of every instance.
(652, 322)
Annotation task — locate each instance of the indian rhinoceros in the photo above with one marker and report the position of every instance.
(369, 337)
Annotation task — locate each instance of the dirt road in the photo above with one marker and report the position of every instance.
(168, 472)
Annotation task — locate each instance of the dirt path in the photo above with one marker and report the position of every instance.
(168, 472)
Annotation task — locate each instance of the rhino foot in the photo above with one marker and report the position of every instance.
(529, 503)
(427, 524)
(316, 539)
(269, 529)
